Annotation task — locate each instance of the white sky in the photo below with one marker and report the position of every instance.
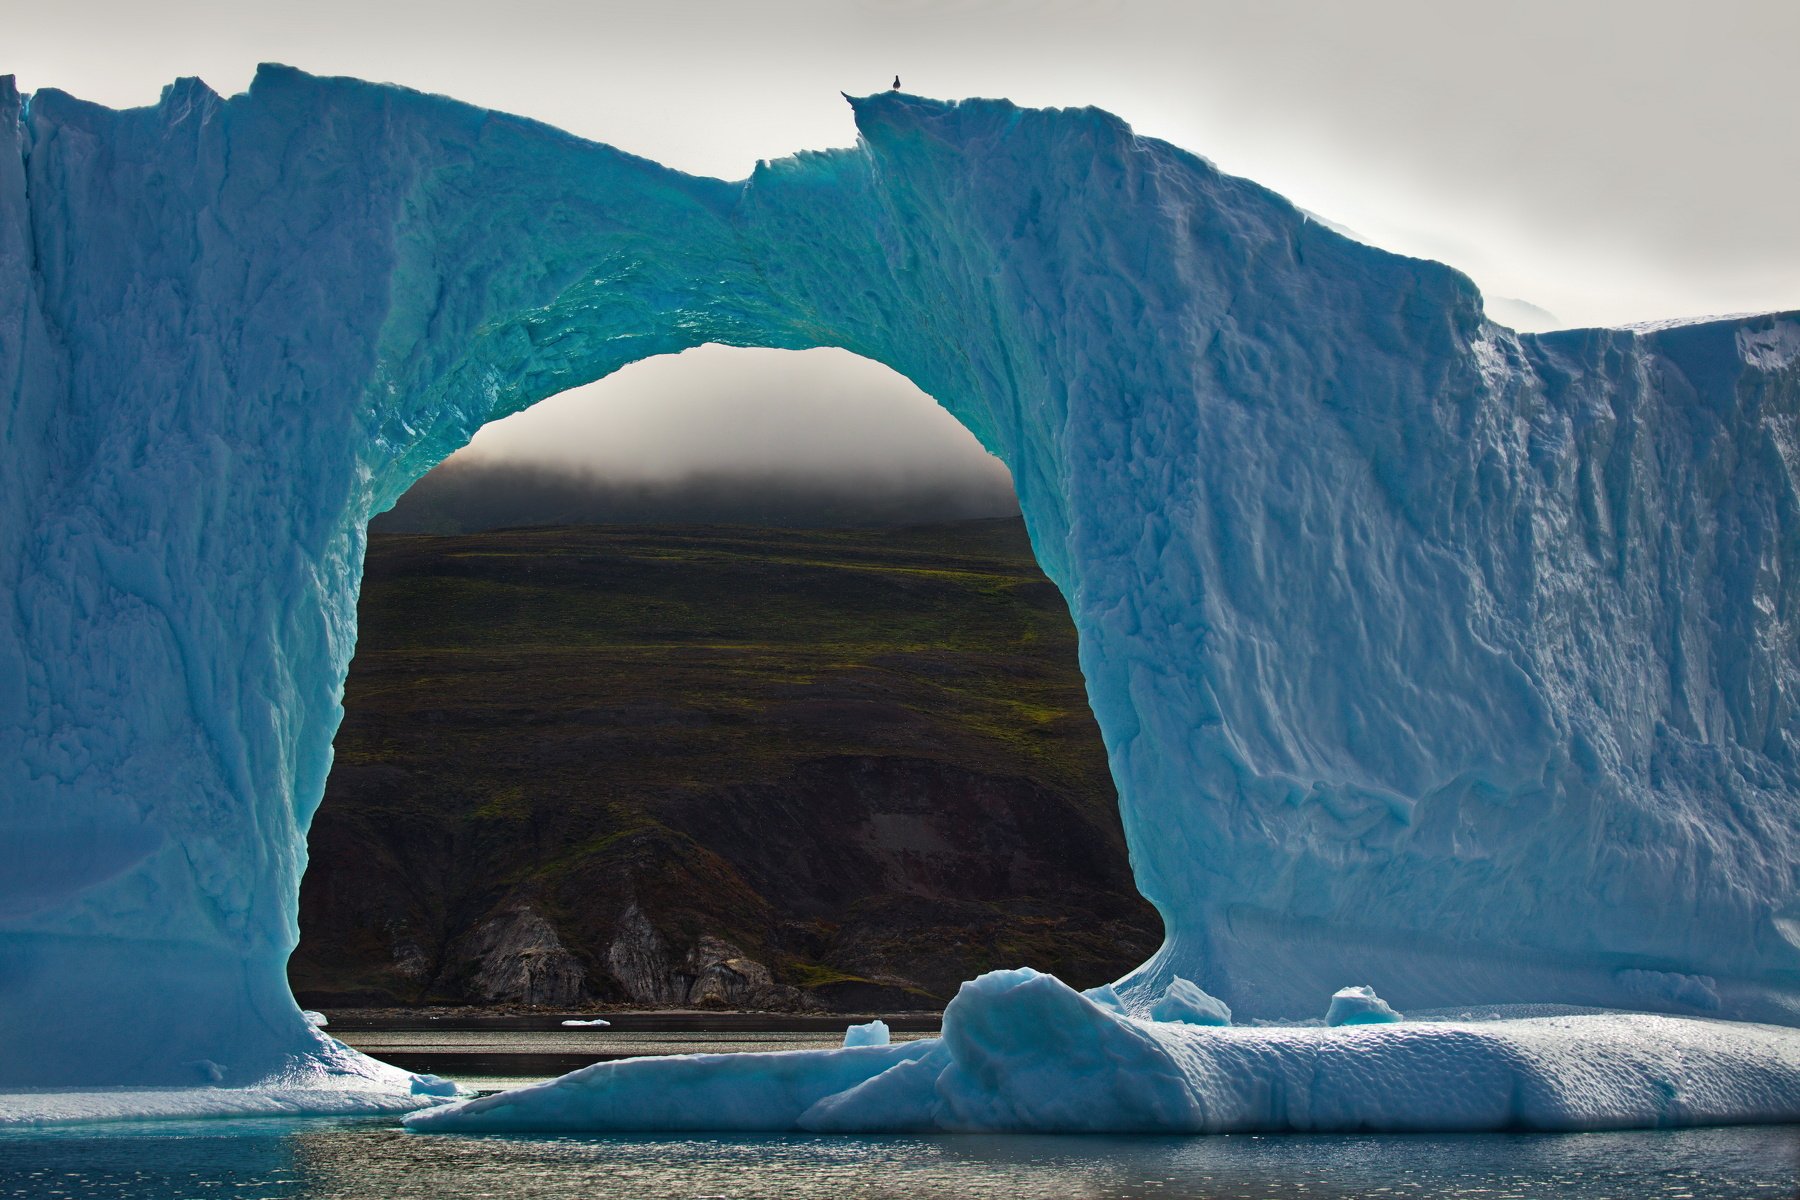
(715, 410)
(1609, 161)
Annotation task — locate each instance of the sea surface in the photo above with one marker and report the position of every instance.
(374, 1159)
(498, 1055)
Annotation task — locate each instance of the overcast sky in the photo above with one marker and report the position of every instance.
(1608, 161)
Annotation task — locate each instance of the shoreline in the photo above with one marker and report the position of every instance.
(366, 1020)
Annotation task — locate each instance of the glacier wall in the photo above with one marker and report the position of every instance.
(1427, 655)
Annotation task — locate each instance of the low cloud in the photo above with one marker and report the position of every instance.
(717, 435)
(464, 497)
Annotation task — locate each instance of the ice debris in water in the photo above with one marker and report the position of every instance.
(1186, 1002)
(1359, 1006)
(595, 1023)
(875, 1033)
(436, 1085)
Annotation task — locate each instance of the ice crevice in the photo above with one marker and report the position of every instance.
(1412, 639)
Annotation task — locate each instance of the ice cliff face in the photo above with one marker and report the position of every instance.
(1428, 656)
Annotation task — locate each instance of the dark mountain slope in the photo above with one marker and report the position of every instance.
(714, 766)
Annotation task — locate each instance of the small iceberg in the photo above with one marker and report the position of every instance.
(317, 1020)
(875, 1033)
(1187, 1002)
(595, 1023)
(1359, 1006)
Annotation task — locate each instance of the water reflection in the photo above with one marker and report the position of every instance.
(324, 1159)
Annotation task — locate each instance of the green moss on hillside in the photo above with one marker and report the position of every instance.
(802, 741)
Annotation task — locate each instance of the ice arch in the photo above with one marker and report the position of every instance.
(1427, 655)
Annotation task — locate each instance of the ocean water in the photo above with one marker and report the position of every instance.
(367, 1159)
(374, 1159)
(490, 1059)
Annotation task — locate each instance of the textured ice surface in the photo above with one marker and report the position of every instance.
(1408, 636)
(872, 1033)
(1186, 1001)
(337, 1081)
(1021, 1051)
(1358, 1006)
(1107, 997)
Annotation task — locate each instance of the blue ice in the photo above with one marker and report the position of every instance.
(1358, 1005)
(1408, 636)
(1184, 1000)
(872, 1033)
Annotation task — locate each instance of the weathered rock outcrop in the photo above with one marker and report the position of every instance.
(723, 976)
(639, 961)
(520, 959)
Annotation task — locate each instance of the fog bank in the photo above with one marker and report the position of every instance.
(464, 497)
(719, 435)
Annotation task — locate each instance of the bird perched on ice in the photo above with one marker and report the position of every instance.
(896, 86)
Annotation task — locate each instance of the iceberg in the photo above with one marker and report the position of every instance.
(1185, 1001)
(872, 1033)
(1023, 1052)
(1358, 1006)
(1408, 635)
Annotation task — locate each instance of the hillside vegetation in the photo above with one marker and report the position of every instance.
(697, 766)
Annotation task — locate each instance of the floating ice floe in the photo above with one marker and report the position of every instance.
(1022, 1052)
(874, 1033)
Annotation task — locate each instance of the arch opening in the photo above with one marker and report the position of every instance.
(770, 708)
(722, 435)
